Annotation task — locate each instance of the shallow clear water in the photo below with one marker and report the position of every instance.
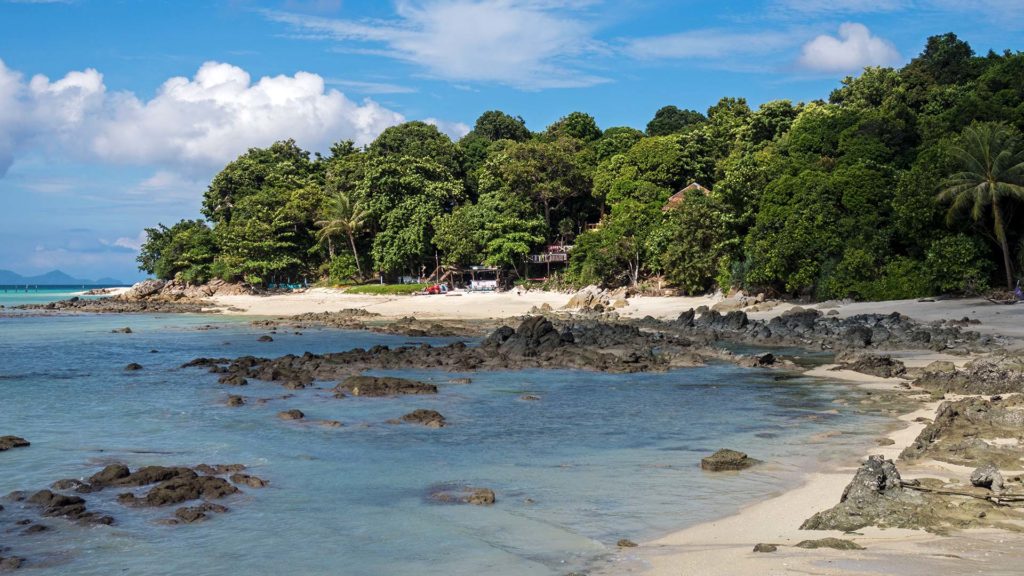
(11, 295)
(599, 457)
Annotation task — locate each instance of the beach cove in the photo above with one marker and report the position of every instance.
(578, 460)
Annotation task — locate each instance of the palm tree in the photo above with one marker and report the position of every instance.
(992, 172)
(343, 216)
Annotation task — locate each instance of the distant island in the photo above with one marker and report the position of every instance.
(53, 278)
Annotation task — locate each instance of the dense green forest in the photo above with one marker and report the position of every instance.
(903, 183)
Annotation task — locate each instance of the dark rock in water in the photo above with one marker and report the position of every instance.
(248, 480)
(265, 338)
(881, 366)
(219, 469)
(36, 529)
(428, 418)
(133, 367)
(67, 484)
(529, 397)
(988, 476)
(181, 489)
(9, 442)
(765, 547)
(235, 401)
(727, 460)
(374, 386)
(626, 543)
(110, 474)
(70, 507)
(464, 495)
(153, 475)
(461, 381)
(11, 563)
(192, 514)
(835, 543)
(233, 380)
(292, 414)
(125, 330)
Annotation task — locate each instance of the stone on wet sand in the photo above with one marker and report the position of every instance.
(762, 547)
(726, 459)
(626, 543)
(9, 442)
(428, 418)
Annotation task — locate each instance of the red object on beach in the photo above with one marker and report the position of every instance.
(437, 289)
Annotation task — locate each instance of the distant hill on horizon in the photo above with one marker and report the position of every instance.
(53, 278)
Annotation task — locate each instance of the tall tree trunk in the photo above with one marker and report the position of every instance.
(330, 247)
(997, 215)
(355, 254)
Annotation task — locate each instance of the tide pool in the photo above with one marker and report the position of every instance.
(599, 457)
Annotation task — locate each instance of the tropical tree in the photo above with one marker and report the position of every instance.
(342, 215)
(992, 173)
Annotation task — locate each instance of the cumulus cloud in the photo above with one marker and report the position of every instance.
(527, 44)
(191, 124)
(854, 48)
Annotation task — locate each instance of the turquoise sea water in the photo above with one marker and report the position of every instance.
(599, 457)
(12, 295)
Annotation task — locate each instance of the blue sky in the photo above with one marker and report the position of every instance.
(114, 114)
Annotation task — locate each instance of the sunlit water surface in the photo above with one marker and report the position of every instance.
(599, 457)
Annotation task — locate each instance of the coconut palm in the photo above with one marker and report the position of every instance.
(343, 216)
(992, 173)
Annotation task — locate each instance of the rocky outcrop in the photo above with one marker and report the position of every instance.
(70, 507)
(9, 442)
(956, 434)
(726, 459)
(374, 386)
(875, 497)
(1000, 374)
(871, 364)
(988, 476)
(179, 489)
(809, 327)
(833, 543)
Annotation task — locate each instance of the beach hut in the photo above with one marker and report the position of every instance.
(677, 198)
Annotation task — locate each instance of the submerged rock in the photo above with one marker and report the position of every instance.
(133, 367)
(181, 489)
(291, 415)
(726, 459)
(248, 480)
(463, 495)
(9, 442)
(428, 418)
(192, 514)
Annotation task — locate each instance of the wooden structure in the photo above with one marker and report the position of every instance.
(677, 198)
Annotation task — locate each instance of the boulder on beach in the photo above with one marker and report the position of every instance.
(987, 476)
(762, 547)
(834, 543)
(726, 459)
(9, 442)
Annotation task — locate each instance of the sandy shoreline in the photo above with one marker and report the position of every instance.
(725, 546)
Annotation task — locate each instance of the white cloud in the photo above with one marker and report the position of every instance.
(454, 130)
(527, 44)
(362, 87)
(192, 125)
(707, 44)
(852, 50)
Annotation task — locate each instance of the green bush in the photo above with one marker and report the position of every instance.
(343, 270)
(958, 264)
(901, 279)
(386, 289)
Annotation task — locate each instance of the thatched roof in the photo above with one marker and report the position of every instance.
(676, 198)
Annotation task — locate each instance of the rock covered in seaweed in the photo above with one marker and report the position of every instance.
(727, 459)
